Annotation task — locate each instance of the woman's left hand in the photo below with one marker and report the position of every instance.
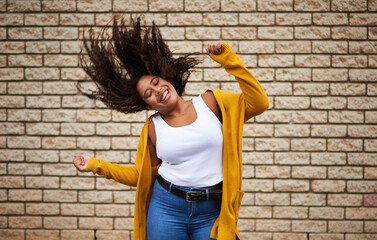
(214, 48)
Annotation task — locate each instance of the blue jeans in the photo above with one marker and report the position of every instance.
(170, 217)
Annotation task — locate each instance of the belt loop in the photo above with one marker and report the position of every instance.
(207, 194)
(170, 185)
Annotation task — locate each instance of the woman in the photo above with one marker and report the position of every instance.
(188, 168)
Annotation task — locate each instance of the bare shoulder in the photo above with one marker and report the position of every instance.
(152, 133)
(210, 101)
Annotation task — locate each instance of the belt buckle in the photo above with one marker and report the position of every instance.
(193, 194)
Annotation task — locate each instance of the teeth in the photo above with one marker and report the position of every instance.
(164, 96)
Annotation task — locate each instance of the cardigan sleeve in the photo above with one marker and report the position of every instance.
(255, 98)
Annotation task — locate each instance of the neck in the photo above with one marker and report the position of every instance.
(179, 109)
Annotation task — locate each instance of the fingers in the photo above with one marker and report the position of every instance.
(214, 48)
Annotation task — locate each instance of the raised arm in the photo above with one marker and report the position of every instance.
(256, 101)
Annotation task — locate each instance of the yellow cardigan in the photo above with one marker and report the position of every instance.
(236, 108)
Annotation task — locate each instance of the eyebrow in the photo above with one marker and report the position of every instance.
(149, 83)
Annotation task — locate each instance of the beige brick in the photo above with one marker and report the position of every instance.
(11, 182)
(43, 101)
(12, 47)
(159, 5)
(312, 32)
(91, 5)
(310, 89)
(308, 226)
(9, 234)
(93, 143)
(77, 234)
(12, 128)
(262, 130)
(95, 223)
(24, 169)
(344, 200)
(41, 156)
(328, 103)
(113, 129)
(59, 196)
(41, 19)
(370, 226)
(293, 74)
(11, 155)
(349, 33)
(59, 6)
(363, 19)
(346, 117)
(255, 212)
(202, 33)
(362, 131)
(362, 186)
(362, 159)
(42, 208)
(327, 236)
(23, 142)
(77, 102)
(308, 199)
(275, 60)
(347, 89)
(245, 225)
(272, 199)
(201, 6)
(256, 19)
(77, 129)
(290, 236)
(59, 115)
(312, 60)
(130, 5)
(274, 116)
(25, 222)
(42, 73)
(257, 157)
(275, 33)
(331, 74)
(329, 46)
(278, 88)
(363, 75)
(291, 185)
(185, 19)
(60, 60)
(25, 195)
(330, 19)
(12, 102)
(370, 117)
(290, 158)
(24, 60)
(238, 33)
(59, 88)
(293, 46)
(169, 33)
(326, 213)
(345, 145)
(124, 197)
(197, 88)
(60, 33)
(222, 19)
(268, 225)
(289, 130)
(361, 213)
(370, 173)
(328, 130)
(308, 172)
(58, 142)
(59, 169)
(270, 5)
(77, 209)
(42, 182)
(123, 235)
(292, 102)
(348, 5)
(43, 47)
(76, 19)
(372, 62)
(362, 103)
(258, 185)
(349, 61)
(42, 128)
(124, 223)
(76, 183)
(11, 209)
(93, 115)
(42, 234)
(279, 144)
(248, 144)
(359, 236)
(25, 33)
(232, 5)
(293, 19)
(272, 171)
(24, 5)
(328, 186)
(257, 47)
(345, 226)
(7, 19)
(312, 5)
(24, 88)
(60, 222)
(95, 196)
(111, 210)
(290, 212)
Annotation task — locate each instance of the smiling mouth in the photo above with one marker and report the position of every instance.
(164, 95)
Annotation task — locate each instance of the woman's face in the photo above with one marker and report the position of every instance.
(158, 93)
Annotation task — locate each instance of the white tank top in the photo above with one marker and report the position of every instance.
(191, 155)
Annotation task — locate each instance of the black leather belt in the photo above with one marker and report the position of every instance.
(191, 196)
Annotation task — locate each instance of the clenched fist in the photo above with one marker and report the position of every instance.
(81, 162)
(214, 48)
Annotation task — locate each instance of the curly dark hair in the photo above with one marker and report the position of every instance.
(116, 63)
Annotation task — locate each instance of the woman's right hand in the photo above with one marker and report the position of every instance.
(81, 162)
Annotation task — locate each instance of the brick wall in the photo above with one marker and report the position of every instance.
(310, 161)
